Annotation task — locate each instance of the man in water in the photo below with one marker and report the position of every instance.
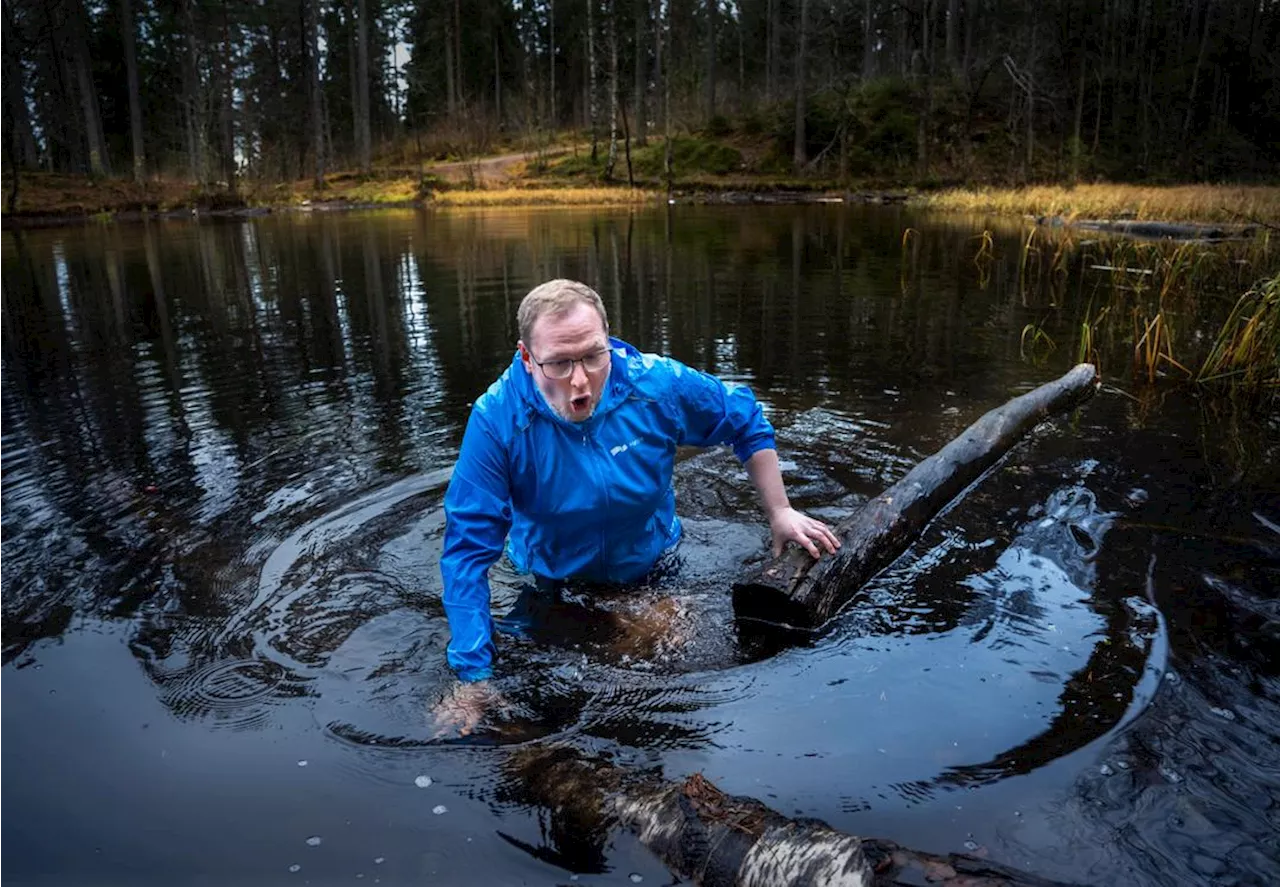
(567, 461)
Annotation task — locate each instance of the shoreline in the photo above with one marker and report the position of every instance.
(1187, 204)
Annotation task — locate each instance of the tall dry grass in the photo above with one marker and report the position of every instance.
(1191, 203)
(544, 197)
(1156, 297)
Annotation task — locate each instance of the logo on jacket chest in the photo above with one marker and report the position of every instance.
(622, 448)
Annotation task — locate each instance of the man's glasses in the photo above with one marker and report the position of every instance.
(563, 369)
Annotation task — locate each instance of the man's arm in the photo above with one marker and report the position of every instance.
(477, 517)
(785, 523)
(713, 412)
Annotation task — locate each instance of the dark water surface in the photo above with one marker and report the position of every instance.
(224, 450)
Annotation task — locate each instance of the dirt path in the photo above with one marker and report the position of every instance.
(490, 171)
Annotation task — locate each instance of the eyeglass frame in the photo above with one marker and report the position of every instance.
(542, 364)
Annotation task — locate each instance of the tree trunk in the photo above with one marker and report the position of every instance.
(497, 82)
(1076, 144)
(449, 75)
(363, 132)
(801, 154)
(613, 90)
(592, 109)
(313, 88)
(773, 48)
(226, 107)
(1195, 74)
(551, 17)
(666, 99)
(99, 163)
(638, 104)
(711, 58)
(797, 590)
(953, 37)
(135, 100)
(457, 52)
(868, 44)
(192, 100)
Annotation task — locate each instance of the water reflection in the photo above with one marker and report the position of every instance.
(232, 438)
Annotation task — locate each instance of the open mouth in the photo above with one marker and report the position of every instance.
(581, 403)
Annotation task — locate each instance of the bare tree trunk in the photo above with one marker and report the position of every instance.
(613, 90)
(868, 45)
(666, 101)
(801, 155)
(135, 101)
(497, 81)
(457, 50)
(953, 36)
(922, 121)
(226, 107)
(742, 64)
(99, 164)
(1031, 104)
(592, 109)
(191, 99)
(363, 132)
(312, 12)
(449, 75)
(1077, 145)
(773, 49)
(1195, 75)
(712, 15)
(638, 102)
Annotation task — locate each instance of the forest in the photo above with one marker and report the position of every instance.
(220, 92)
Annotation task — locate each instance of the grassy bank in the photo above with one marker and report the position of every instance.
(1190, 203)
(703, 165)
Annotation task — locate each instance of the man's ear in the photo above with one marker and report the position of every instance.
(525, 357)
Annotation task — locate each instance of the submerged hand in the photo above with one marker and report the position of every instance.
(789, 525)
(464, 706)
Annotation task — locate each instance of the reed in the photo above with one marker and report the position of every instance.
(1247, 348)
(1163, 302)
(1201, 203)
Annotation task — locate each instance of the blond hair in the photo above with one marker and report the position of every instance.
(556, 297)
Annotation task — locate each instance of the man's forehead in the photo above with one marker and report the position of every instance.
(571, 330)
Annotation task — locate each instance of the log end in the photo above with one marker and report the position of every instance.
(758, 602)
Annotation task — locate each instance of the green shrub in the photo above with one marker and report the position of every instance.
(718, 126)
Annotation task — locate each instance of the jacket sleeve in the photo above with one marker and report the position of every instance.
(477, 509)
(712, 412)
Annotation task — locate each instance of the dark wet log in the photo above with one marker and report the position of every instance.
(718, 840)
(796, 590)
(1154, 230)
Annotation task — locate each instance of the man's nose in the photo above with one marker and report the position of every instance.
(579, 375)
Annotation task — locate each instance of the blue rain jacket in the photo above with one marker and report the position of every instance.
(591, 500)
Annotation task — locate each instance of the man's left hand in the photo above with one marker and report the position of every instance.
(789, 525)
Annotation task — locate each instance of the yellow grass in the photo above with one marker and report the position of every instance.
(544, 197)
(1191, 203)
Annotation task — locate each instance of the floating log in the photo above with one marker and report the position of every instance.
(796, 590)
(714, 839)
(1152, 230)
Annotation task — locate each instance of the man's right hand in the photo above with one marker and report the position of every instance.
(464, 706)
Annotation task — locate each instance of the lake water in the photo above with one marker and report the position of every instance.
(225, 445)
